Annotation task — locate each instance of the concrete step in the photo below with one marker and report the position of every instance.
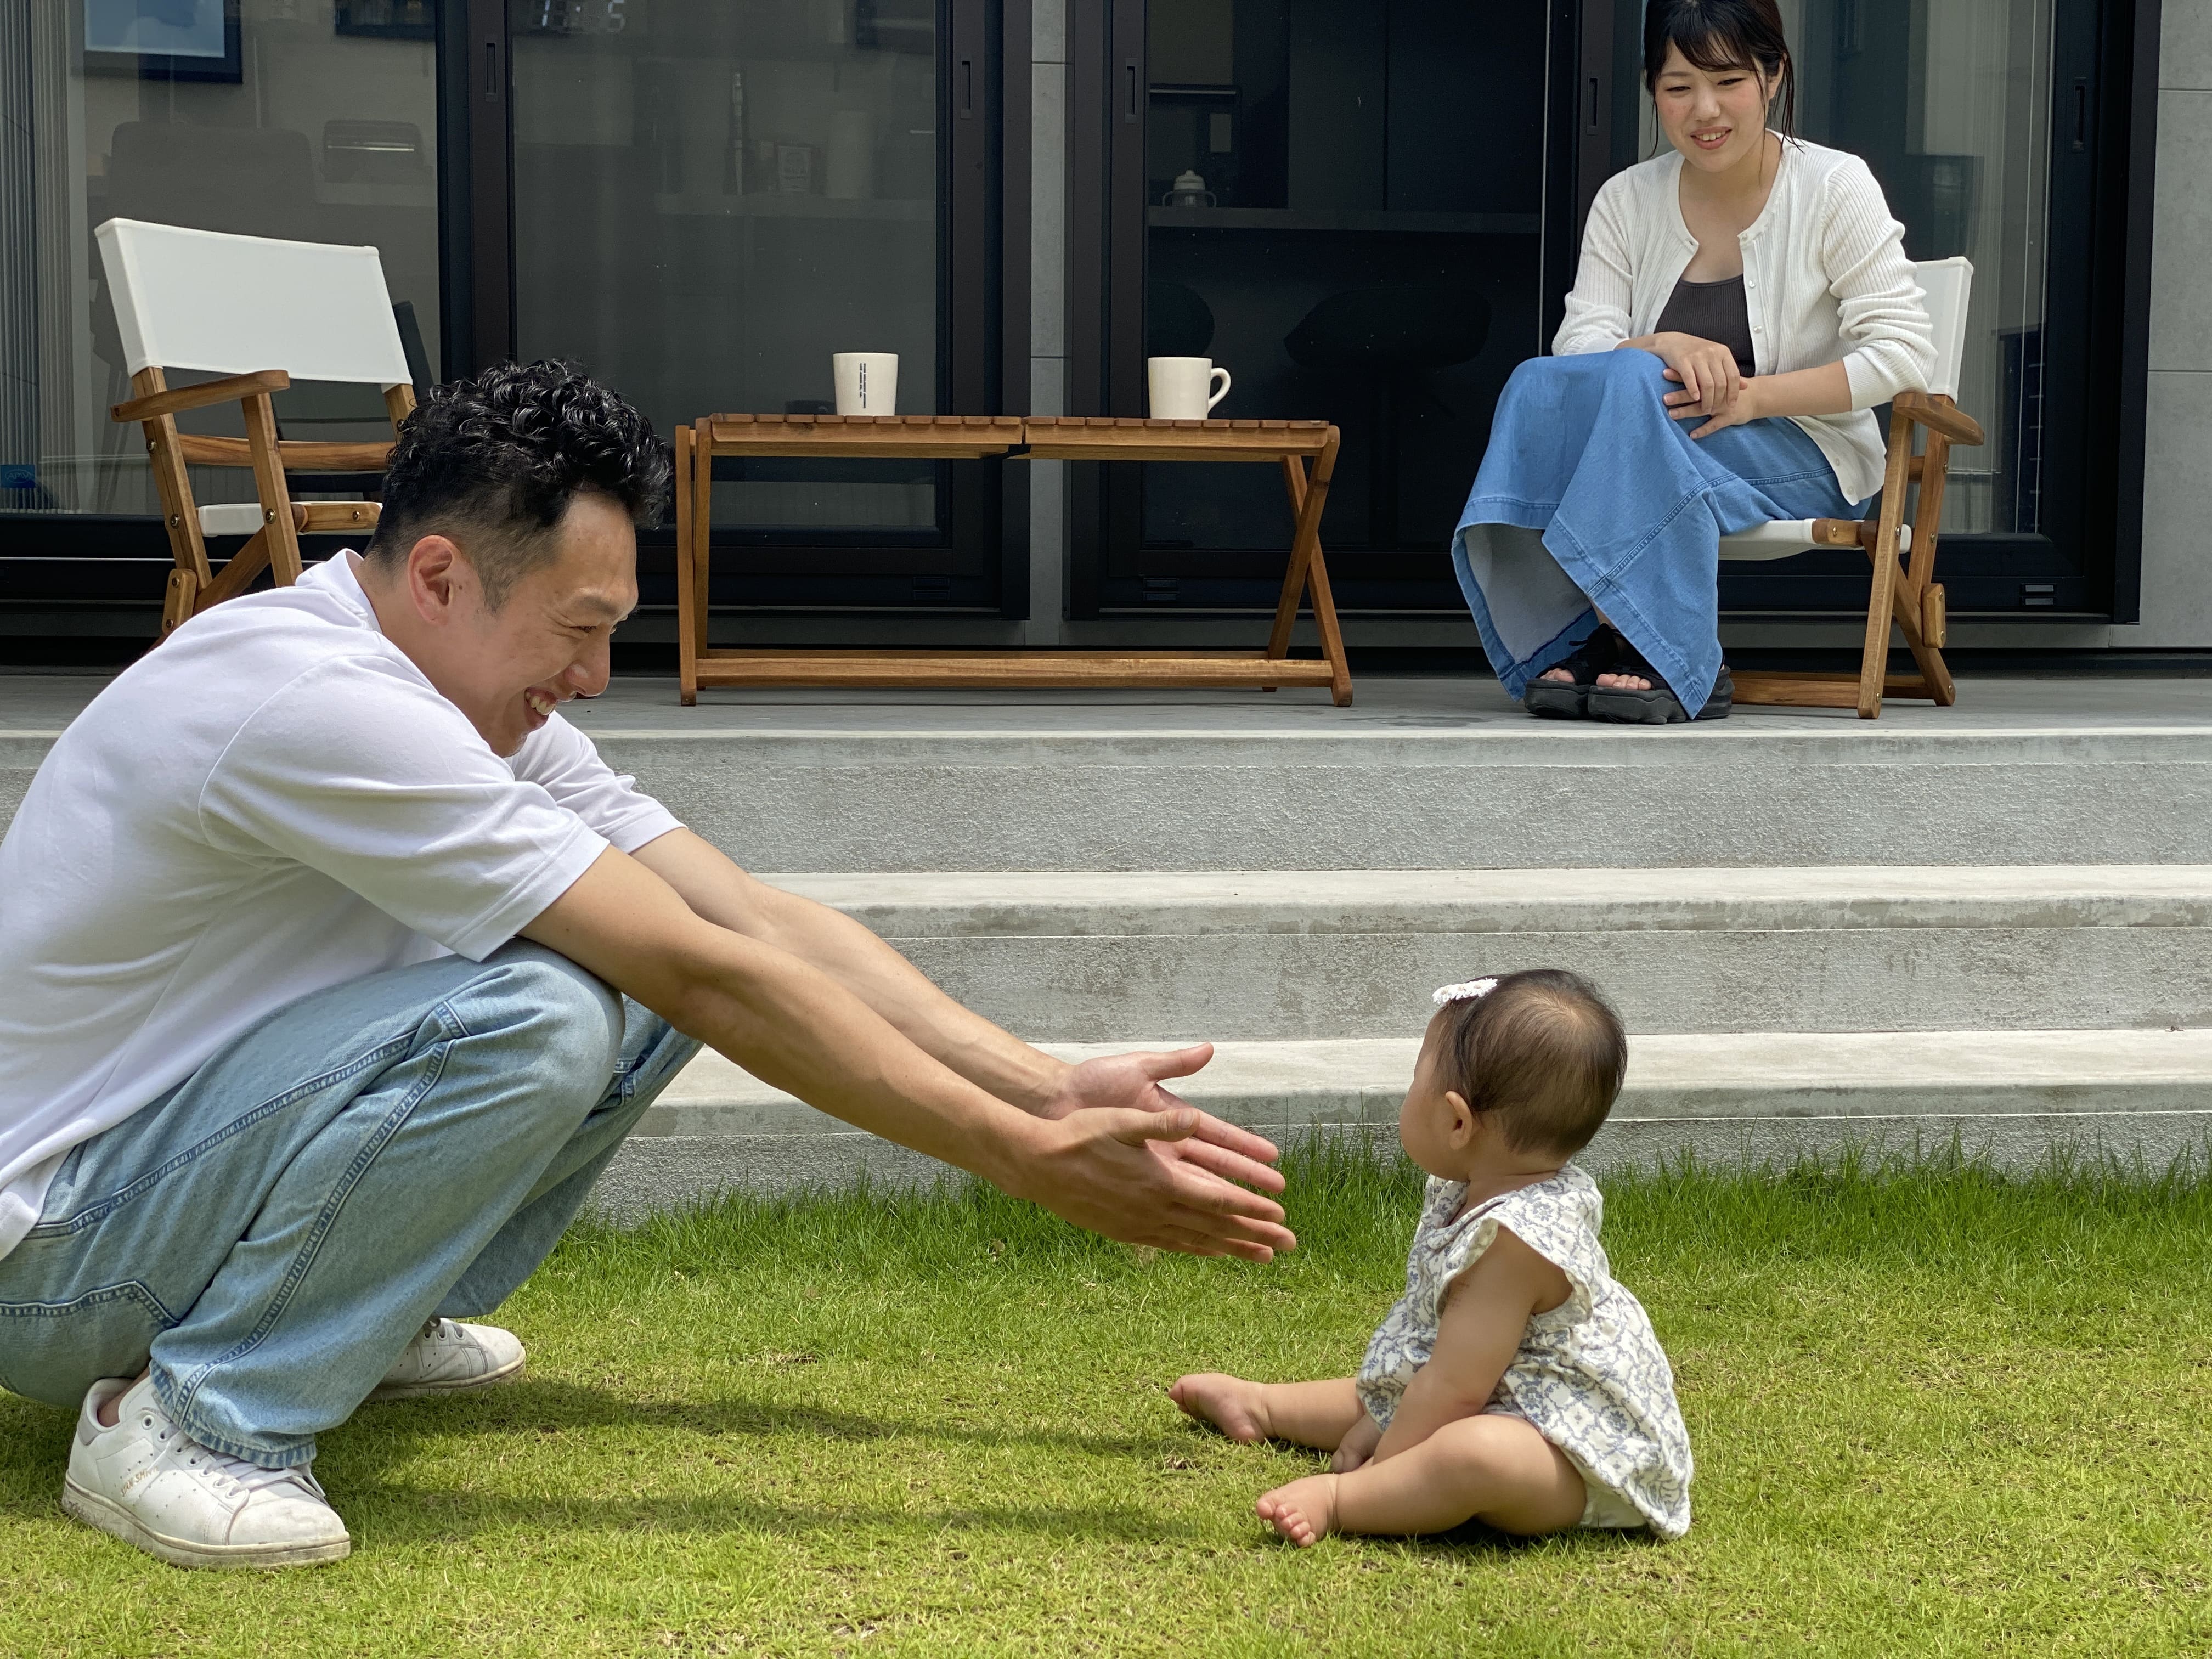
(1465, 795)
(2012, 1096)
(1420, 774)
(1265, 955)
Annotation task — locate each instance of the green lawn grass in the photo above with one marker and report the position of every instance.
(1934, 1411)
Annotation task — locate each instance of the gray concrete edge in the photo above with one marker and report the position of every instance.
(651, 1174)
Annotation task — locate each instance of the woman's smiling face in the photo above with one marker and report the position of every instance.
(1716, 117)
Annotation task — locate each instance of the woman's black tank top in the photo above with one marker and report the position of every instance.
(1711, 311)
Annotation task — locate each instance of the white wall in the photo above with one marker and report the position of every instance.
(2176, 589)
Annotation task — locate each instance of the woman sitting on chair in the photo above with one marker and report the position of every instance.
(1741, 306)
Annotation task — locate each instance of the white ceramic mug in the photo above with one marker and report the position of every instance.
(867, 382)
(1184, 388)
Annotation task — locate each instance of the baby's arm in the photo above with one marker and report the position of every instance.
(1485, 1312)
(1442, 1461)
(1357, 1446)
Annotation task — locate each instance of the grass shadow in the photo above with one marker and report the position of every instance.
(534, 1406)
(394, 1514)
(365, 1455)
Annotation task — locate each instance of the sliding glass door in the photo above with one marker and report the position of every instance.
(699, 201)
(1346, 207)
(711, 198)
(1371, 214)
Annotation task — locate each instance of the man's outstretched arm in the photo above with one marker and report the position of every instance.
(985, 1054)
(797, 1028)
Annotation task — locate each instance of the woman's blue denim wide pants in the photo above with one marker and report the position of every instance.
(270, 1234)
(1591, 498)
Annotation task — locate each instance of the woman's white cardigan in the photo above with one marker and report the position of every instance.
(1825, 277)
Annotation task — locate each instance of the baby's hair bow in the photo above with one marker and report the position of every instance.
(1448, 994)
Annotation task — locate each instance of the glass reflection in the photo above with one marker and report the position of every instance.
(308, 119)
(711, 198)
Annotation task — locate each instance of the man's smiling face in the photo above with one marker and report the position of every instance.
(508, 666)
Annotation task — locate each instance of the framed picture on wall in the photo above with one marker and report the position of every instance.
(164, 39)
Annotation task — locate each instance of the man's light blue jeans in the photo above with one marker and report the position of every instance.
(272, 1232)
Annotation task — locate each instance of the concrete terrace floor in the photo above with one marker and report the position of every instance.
(40, 705)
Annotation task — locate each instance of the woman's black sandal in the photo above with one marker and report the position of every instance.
(1659, 706)
(1556, 700)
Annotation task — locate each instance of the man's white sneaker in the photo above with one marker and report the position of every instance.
(150, 1484)
(447, 1356)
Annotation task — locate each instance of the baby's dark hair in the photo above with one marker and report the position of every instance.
(1543, 1050)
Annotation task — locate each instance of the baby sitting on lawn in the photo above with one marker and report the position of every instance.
(1514, 1382)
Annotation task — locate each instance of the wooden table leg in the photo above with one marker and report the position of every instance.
(1294, 576)
(1324, 600)
(1309, 569)
(702, 524)
(687, 649)
(701, 553)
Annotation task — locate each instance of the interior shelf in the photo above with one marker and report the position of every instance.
(1293, 219)
(771, 205)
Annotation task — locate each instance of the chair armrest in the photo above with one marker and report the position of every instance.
(299, 455)
(1945, 418)
(230, 388)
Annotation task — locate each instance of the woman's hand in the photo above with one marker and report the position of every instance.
(1750, 404)
(1704, 369)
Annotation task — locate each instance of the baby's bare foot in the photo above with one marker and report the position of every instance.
(1233, 1406)
(1303, 1512)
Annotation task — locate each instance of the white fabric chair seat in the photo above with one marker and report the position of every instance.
(231, 519)
(1782, 538)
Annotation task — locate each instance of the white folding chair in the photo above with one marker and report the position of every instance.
(257, 311)
(1905, 595)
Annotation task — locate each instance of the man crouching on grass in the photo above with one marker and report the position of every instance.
(338, 965)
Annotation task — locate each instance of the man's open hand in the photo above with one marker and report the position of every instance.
(1137, 1162)
(1133, 1080)
(1112, 1170)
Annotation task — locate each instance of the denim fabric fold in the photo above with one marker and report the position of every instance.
(270, 1233)
(1591, 498)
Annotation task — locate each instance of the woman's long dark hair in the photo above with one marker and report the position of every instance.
(1719, 34)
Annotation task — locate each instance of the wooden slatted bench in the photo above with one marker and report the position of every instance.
(1304, 450)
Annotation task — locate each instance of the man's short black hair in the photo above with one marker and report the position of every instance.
(493, 463)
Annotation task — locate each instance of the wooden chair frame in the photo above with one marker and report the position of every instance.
(1904, 592)
(255, 311)
(193, 584)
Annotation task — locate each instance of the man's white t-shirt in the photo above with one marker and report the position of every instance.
(273, 802)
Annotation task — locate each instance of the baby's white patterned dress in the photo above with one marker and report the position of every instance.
(1590, 1375)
